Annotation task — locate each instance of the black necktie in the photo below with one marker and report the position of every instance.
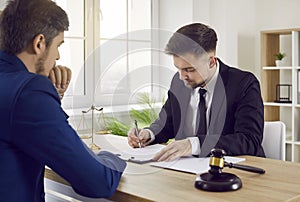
(202, 113)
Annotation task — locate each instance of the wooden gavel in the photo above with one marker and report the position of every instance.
(217, 163)
(218, 181)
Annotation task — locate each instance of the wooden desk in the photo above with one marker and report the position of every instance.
(281, 182)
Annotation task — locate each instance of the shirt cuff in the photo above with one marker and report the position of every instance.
(195, 145)
(152, 137)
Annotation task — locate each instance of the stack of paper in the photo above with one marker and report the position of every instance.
(186, 164)
(192, 164)
(140, 155)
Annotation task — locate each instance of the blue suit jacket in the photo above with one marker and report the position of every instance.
(236, 118)
(34, 132)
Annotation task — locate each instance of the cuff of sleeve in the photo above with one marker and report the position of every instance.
(152, 137)
(195, 145)
(111, 161)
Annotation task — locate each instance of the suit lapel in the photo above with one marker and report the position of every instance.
(183, 95)
(183, 103)
(218, 108)
(219, 102)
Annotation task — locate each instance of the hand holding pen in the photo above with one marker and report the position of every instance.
(137, 132)
(138, 138)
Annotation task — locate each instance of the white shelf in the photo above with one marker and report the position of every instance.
(289, 113)
(277, 68)
(276, 104)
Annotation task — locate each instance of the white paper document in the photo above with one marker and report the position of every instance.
(192, 164)
(140, 155)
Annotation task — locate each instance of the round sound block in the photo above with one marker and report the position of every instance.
(218, 183)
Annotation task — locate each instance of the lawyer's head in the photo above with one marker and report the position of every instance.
(193, 48)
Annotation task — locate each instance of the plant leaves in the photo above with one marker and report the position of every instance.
(117, 127)
(144, 117)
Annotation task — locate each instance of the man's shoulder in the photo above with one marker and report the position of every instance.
(22, 78)
(177, 84)
(38, 81)
(33, 83)
(175, 77)
(236, 74)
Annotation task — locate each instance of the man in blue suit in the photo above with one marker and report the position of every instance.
(34, 130)
(210, 105)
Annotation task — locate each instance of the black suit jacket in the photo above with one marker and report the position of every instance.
(236, 118)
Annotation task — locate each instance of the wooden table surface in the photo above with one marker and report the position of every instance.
(281, 182)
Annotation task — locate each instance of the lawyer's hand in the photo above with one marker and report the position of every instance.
(143, 137)
(174, 150)
(60, 77)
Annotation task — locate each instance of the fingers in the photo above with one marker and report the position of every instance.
(168, 153)
(52, 76)
(144, 137)
(68, 76)
(133, 140)
(174, 150)
(60, 77)
(63, 76)
(56, 76)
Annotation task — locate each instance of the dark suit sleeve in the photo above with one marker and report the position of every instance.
(166, 126)
(162, 127)
(41, 131)
(243, 128)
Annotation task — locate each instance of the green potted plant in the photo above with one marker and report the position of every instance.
(144, 117)
(279, 59)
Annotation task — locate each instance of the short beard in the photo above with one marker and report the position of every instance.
(202, 84)
(40, 65)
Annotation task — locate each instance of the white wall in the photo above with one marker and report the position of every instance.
(276, 14)
(237, 22)
(234, 22)
(172, 15)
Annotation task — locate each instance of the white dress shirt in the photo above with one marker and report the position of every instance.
(193, 110)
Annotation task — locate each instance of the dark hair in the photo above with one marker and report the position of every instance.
(22, 20)
(194, 38)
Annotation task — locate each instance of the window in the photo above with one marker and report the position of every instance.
(109, 49)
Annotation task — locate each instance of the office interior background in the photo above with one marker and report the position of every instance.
(115, 47)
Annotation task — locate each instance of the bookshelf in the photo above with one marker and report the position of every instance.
(272, 42)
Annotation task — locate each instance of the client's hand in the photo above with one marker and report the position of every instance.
(174, 150)
(60, 77)
(143, 137)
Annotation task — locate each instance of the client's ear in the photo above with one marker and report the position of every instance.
(39, 44)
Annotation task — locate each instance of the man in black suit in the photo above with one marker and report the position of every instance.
(210, 105)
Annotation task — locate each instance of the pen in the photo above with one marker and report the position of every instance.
(137, 132)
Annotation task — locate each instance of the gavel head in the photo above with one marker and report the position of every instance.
(217, 161)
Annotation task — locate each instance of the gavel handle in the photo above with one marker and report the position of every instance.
(244, 167)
